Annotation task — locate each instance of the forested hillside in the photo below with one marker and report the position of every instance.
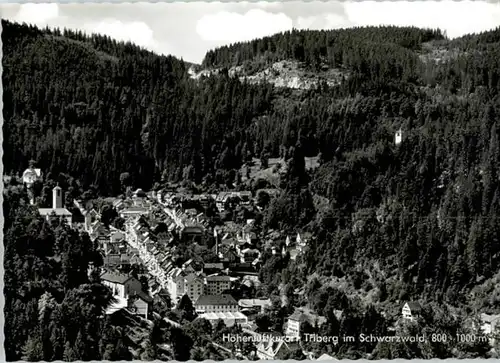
(414, 220)
(51, 306)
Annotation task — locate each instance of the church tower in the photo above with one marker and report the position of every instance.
(57, 197)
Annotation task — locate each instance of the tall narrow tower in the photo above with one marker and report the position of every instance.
(216, 236)
(57, 198)
(398, 137)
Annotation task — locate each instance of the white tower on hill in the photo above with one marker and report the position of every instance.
(398, 137)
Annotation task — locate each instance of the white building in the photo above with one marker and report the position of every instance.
(411, 310)
(57, 210)
(134, 212)
(326, 357)
(398, 137)
(31, 175)
(489, 324)
(127, 290)
(229, 318)
(120, 284)
(90, 217)
(179, 284)
(300, 316)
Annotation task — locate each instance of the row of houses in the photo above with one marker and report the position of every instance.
(154, 256)
(223, 200)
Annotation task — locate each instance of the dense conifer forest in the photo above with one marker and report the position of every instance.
(418, 220)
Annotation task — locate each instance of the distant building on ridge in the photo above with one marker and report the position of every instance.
(398, 138)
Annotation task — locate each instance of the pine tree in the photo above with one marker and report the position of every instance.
(33, 350)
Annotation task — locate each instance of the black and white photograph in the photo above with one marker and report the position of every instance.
(251, 180)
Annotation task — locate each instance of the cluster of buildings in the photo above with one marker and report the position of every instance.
(154, 225)
(275, 345)
(223, 200)
(32, 175)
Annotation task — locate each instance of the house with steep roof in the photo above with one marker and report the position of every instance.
(411, 310)
(119, 260)
(100, 233)
(120, 284)
(489, 322)
(222, 201)
(139, 303)
(326, 357)
(216, 304)
(194, 286)
(90, 217)
(261, 304)
(128, 292)
(250, 281)
(116, 235)
(274, 347)
(489, 326)
(192, 232)
(180, 283)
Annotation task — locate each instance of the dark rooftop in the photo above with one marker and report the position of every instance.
(216, 300)
(115, 277)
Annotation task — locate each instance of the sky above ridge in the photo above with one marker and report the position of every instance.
(189, 30)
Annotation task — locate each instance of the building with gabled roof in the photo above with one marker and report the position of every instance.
(180, 283)
(326, 357)
(489, 325)
(262, 304)
(127, 292)
(274, 347)
(411, 310)
(216, 304)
